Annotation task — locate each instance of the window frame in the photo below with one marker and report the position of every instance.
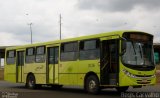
(97, 45)
(56, 61)
(83, 49)
(43, 60)
(13, 57)
(44, 50)
(26, 56)
(75, 51)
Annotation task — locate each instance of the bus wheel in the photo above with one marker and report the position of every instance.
(92, 85)
(122, 89)
(31, 82)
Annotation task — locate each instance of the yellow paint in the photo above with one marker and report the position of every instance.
(10, 73)
(56, 78)
(129, 81)
(20, 72)
(51, 72)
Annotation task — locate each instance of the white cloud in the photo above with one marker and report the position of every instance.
(118, 5)
(79, 17)
(7, 39)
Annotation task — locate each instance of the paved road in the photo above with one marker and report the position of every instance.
(14, 90)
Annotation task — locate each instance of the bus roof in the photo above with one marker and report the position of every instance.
(104, 34)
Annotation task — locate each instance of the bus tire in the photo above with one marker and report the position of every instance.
(92, 84)
(31, 82)
(122, 89)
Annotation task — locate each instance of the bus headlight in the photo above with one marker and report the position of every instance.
(134, 76)
(128, 73)
(153, 76)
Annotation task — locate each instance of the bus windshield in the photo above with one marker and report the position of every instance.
(138, 53)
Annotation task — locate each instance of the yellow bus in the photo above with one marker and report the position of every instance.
(118, 59)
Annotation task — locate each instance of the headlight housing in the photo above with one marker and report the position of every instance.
(128, 73)
(134, 76)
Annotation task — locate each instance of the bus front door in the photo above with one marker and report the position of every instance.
(52, 66)
(19, 66)
(109, 62)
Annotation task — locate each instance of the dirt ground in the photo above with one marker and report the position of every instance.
(1, 74)
(158, 73)
(158, 76)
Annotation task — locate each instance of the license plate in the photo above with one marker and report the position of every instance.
(144, 80)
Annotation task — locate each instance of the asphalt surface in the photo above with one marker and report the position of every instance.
(17, 90)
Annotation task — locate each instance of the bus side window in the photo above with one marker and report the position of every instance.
(30, 55)
(69, 51)
(40, 54)
(53, 55)
(89, 49)
(11, 57)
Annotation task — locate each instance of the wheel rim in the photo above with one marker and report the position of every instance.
(92, 85)
(31, 83)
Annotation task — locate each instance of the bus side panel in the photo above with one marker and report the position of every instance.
(63, 79)
(10, 73)
(73, 72)
(20, 74)
(39, 71)
(68, 72)
(86, 66)
(81, 79)
(40, 78)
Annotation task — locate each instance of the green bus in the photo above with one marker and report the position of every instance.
(118, 59)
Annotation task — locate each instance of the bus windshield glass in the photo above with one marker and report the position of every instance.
(138, 53)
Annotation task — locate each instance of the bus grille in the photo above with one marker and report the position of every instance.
(143, 81)
(143, 75)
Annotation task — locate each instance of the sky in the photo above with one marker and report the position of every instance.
(79, 18)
